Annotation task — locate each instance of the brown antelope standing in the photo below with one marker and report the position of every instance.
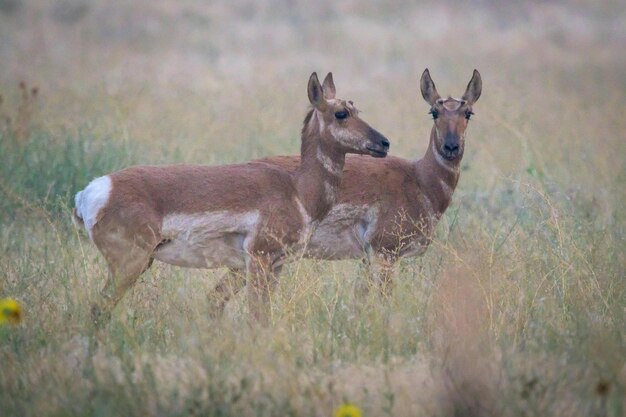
(243, 217)
(389, 208)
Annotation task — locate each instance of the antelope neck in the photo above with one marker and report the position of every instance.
(437, 176)
(319, 175)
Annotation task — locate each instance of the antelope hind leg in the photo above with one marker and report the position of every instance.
(126, 261)
(229, 285)
(383, 271)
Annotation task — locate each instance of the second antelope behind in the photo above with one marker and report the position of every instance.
(244, 217)
(389, 208)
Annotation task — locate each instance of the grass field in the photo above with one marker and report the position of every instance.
(518, 308)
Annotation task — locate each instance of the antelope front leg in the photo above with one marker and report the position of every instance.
(228, 286)
(261, 281)
(382, 273)
(379, 270)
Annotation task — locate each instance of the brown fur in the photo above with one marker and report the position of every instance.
(143, 195)
(398, 187)
(129, 228)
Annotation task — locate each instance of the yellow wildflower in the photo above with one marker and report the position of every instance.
(348, 410)
(10, 311)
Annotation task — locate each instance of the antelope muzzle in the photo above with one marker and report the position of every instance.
(451, 146)
(379, 145)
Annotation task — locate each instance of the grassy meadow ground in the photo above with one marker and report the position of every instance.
(518, 308)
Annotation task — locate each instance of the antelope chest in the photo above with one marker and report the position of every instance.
(344, 233)
(404, 233)
(350, 231)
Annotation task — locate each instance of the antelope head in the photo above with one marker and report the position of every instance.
(450, 115)
(339, 124)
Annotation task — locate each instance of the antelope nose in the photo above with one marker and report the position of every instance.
(385, 142)
(451, 147)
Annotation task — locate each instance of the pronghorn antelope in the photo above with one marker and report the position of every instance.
(389, 208)
(243, 217)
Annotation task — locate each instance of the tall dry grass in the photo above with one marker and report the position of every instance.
(516, 309)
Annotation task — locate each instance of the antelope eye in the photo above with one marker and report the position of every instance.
(468, 114)
(434, 113)
(341, 114)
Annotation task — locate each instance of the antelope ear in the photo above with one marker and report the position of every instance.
(329, 87)
(429, 91)
(474, 88)
(316, 92)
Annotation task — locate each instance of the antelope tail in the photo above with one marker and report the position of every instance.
(77, 217)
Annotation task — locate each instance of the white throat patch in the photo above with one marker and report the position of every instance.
(328, 164)
(442, 161)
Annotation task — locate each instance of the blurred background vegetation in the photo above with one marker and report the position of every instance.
(519, 306)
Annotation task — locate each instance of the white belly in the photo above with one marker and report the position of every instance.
(207, 240)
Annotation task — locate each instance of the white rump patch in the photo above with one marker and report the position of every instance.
(91, 200)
